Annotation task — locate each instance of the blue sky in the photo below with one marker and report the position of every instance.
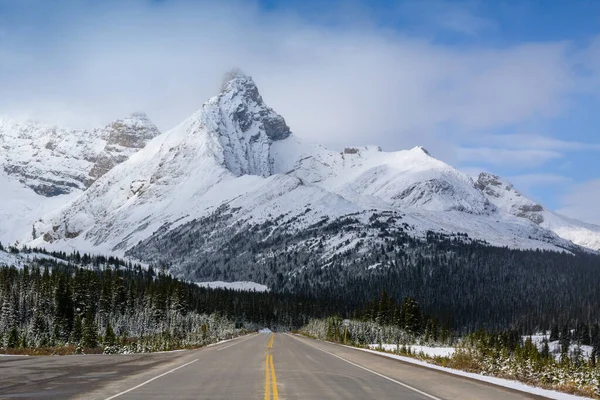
(509, 87)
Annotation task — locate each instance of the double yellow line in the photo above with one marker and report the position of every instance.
(270, 378)
(271, 341)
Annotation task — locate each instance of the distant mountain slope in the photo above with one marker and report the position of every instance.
(503, 195)
(43, 168)
(54, 161)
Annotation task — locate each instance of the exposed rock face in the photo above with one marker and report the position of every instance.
(54, 161)
(244, 125)
(123, 138)
(489, 184)
(503, 195)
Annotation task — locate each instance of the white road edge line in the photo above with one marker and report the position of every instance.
(371, 371)
(150, 380)
(236, 343)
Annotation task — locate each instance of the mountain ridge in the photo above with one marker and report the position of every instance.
(236, 163)
(502, 193)
(43, 167)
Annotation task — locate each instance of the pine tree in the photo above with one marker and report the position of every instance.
(89, 337)
(565, 342)
(12, 340)
(554, 332)
(110, 339)
(77, 331)
(545, 350)
(39, 330)
(583, 334)
(8, 314)
(411, 315)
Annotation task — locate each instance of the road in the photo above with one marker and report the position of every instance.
(260, 366)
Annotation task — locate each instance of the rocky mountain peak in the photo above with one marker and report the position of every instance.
(133, 131)
(244, 125)
(421, 149)
(123, 138)
(241, 92)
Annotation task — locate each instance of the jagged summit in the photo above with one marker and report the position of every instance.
(244, 126)
(137, 118)
(241, 91)
(422, 150)
(231, 75)
(133, 131)
(123, 138)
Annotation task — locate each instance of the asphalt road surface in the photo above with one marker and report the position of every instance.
(259, 366)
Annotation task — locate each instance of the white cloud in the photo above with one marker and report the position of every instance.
(533, 141)
(583, 202)
(340, 86)
(528, 181)
(506, 157)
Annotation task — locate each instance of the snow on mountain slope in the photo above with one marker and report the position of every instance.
(504, 196)
(403, 179)
(21, 259)
(229, 137)
(56, 161)
(21, 207)
(236, 152)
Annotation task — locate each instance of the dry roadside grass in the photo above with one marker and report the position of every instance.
(49, 351)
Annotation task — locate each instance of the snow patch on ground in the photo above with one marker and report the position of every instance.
(426, 350)
(244, 286)
(555, 347)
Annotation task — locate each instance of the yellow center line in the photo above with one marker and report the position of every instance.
(267, 380)
(275, 391)
(270, 378)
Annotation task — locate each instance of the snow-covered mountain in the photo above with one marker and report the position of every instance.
(235, 163)
(503, 195)
(54, 161)
(43, 168)
(232, 181)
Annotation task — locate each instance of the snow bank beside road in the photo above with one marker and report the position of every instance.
(551, 394)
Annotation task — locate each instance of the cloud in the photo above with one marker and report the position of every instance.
(533, 141)
(86, 63)
(520, 151)
(528, 184)
(582, 202)
(506, 157)
(528, 181)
